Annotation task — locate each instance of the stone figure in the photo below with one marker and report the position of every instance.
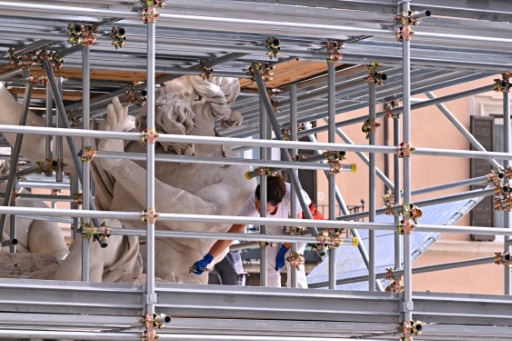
(186, 105)
(35, 236)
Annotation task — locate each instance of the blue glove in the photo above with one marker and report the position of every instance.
(280, 257)
(199, 266)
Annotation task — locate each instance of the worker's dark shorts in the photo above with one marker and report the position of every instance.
(230, 270)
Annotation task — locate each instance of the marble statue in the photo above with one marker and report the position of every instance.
(186, 105)
(35, 236)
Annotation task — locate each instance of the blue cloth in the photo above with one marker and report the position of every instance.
(200, 266)
(280, 261)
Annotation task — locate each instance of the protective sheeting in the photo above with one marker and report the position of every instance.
(349, 262)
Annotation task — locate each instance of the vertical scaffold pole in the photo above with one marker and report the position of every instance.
(47, 65)
(15, 154)
(506, 149)
(284, 152)
(12, 221)
(59, 120)
(74, 189)
(372, 188)
(264, 155)
(406, 70)
(331, 110)
(86, 167)
(49, 120)
(293, 137)
(397, 193)
(343, 207)
(151, 298)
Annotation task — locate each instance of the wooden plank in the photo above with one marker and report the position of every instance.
(289, 72)
(285, 73)
(111, 75)
(41, 93)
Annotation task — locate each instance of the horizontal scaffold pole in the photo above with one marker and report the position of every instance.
(216, 161)
(419, 270)
(211, 219)
(428, 202)
(251, 142)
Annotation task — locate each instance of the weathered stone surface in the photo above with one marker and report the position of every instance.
(27, 265)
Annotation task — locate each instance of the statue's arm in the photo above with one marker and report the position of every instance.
(33, 146)
(130, 178)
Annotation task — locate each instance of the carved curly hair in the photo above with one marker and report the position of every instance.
(174, 113)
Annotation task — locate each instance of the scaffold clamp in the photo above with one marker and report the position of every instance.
(336, 239)
(503, 259)
(296, 260)
(99, 234)
(78, 199)
(332, 239)
(35, 58)
(149, 13)
(273, 47)
(206, 72)
(369, 126)
(25, 61)
(87, 154)
(375, 76)
(336, 167)
(503, 85)
(35, 80)
(298, 157)
(335, 155)
(149, 135)
(118, 35)
(322, 238)
(412, 211)
(389, 106)
(334, 47)
(82, 34)
(269, 244)
(499, 178)
(389, 202)
(287, 130)
(265, 69)
(148, 215)
(296, 230)
(49, 166)
(396, 285)
(134, 98)
(410, 328)
(334, 159)
(152, 321)
(405, 149)
(406, 226)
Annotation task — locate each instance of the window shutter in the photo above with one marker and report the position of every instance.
(482, 129)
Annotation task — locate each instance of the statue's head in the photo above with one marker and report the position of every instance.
(180, 102)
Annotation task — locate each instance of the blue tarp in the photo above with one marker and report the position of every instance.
(349, 262)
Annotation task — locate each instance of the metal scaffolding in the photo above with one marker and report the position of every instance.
(460, 42)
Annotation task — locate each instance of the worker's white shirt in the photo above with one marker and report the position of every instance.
(283, 211)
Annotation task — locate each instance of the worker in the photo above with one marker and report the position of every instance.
(278, 206)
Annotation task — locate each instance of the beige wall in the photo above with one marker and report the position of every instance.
(481, 279)
(429, 129)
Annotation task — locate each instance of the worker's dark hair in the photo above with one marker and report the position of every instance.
(276, 189)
